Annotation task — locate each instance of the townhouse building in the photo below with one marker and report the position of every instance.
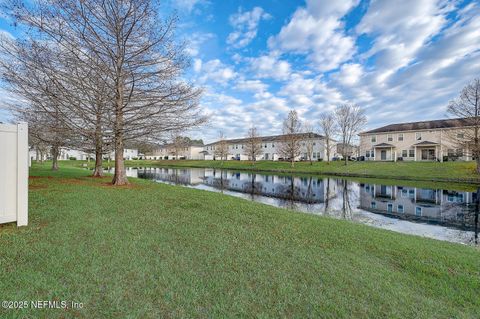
(436, 140)
(190, 151)
(270, 145)
(68, 153)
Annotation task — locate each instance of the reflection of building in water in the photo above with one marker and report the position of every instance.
(304, 189)
(174, 175)
(450, 208)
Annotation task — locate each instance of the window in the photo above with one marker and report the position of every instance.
(318, 155)
(418, 211)
(411, 153)
(373, 205)
(451, 152)
(389, 137)
(273, 145)
(374, 139)
(400, 137)
(418, 136)
(459, 152)
(367, 153)
(314, 144)
(400, 208)
(404, 153)
(265, 145)
(460, 135)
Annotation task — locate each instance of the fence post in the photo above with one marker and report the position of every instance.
(22, 174)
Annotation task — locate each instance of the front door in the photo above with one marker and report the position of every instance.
(383, 155)
(428, 154)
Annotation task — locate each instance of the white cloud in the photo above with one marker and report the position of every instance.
(350, 74)
(196, 40)
(189, 5)
(197, 65)
(213, 70)
(257, 87)
(401, 29)
(245, 25)
(318, 32)
(269, 66)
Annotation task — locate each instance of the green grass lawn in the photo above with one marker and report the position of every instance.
(422, 171)
(153, 250)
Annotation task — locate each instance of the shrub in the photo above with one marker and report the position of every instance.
(72, 158)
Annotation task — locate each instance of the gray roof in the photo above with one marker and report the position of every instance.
(272, 138)
(426, 143)
(173, 144)
(424, 125)
(384, 145)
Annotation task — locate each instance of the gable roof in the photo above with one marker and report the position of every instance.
(426, 143)
(384, 145)
(423, 125)
(271, 138)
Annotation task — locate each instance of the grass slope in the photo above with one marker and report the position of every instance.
(152, 250)
(463, 172)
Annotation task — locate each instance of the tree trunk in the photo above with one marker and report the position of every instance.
(55, 158)
(477, 160)
(119, 178)
(98, 171)
(292, 164)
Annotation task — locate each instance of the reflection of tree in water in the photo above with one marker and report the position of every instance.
(346, 200)
(289, 193)
(330, 194)
(475, 219)
(252, 187)
(221, 181)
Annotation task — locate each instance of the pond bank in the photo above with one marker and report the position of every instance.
(449, 172)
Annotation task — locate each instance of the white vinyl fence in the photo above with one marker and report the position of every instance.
(14, 174)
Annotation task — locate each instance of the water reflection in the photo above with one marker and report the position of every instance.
(442, 214)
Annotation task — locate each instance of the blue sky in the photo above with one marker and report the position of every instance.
(257, 60)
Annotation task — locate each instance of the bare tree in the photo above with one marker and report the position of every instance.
(45, 129)
(129, 43)
(75, 88)
(253, 146)
(328, 129)
(350, 119)
(309, 141)
(467, 107)
(290, 145)
(179, 143)
(221, 147)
